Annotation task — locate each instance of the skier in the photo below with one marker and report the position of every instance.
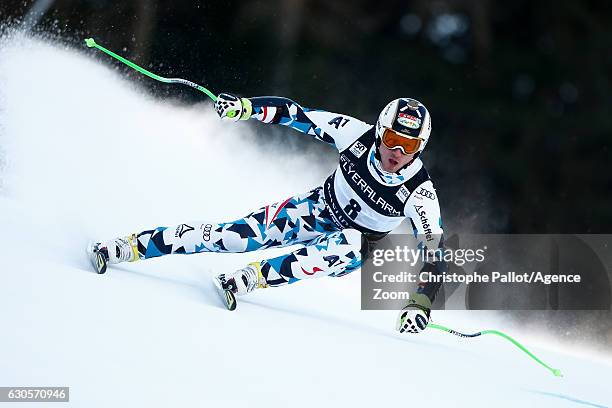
(380, 180)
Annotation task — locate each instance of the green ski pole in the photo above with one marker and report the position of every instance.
(92, 44)
(555, 371)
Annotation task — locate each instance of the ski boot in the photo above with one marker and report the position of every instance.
(240, 282)
(123, 249)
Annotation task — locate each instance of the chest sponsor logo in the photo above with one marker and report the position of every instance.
(424, 222)
(407, 120)
(402, 194)
(357, 183)
(426, 193)
(358, 149)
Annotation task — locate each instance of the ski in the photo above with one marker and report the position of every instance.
(224, 291)
(98, 257)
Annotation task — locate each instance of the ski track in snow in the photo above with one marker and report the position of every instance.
(88, 155)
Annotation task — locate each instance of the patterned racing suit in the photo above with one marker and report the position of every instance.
(335, 223)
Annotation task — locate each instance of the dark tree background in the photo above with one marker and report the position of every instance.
(520, 92)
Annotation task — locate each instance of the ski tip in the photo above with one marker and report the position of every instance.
(90, 42)
(100, 264)
(230, 300)
(227, 296)
(98, 260)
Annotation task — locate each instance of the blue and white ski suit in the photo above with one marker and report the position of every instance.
(359, 202)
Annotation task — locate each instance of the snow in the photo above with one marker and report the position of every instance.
(85, 154)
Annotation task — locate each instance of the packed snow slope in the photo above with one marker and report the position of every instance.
(87, 155)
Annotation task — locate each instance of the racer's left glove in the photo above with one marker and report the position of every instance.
(414, 317)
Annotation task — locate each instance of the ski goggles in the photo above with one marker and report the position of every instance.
(393, 140)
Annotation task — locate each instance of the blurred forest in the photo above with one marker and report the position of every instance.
(520, 92)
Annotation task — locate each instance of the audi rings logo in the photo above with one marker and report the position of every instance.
(426, 194)
(206, 232)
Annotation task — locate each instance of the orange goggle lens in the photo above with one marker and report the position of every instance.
(393, 140)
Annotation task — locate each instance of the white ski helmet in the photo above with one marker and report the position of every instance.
(407, 116)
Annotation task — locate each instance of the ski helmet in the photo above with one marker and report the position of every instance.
(406, 116)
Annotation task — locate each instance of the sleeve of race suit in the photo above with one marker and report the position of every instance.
(423, 209)
(335, 129)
